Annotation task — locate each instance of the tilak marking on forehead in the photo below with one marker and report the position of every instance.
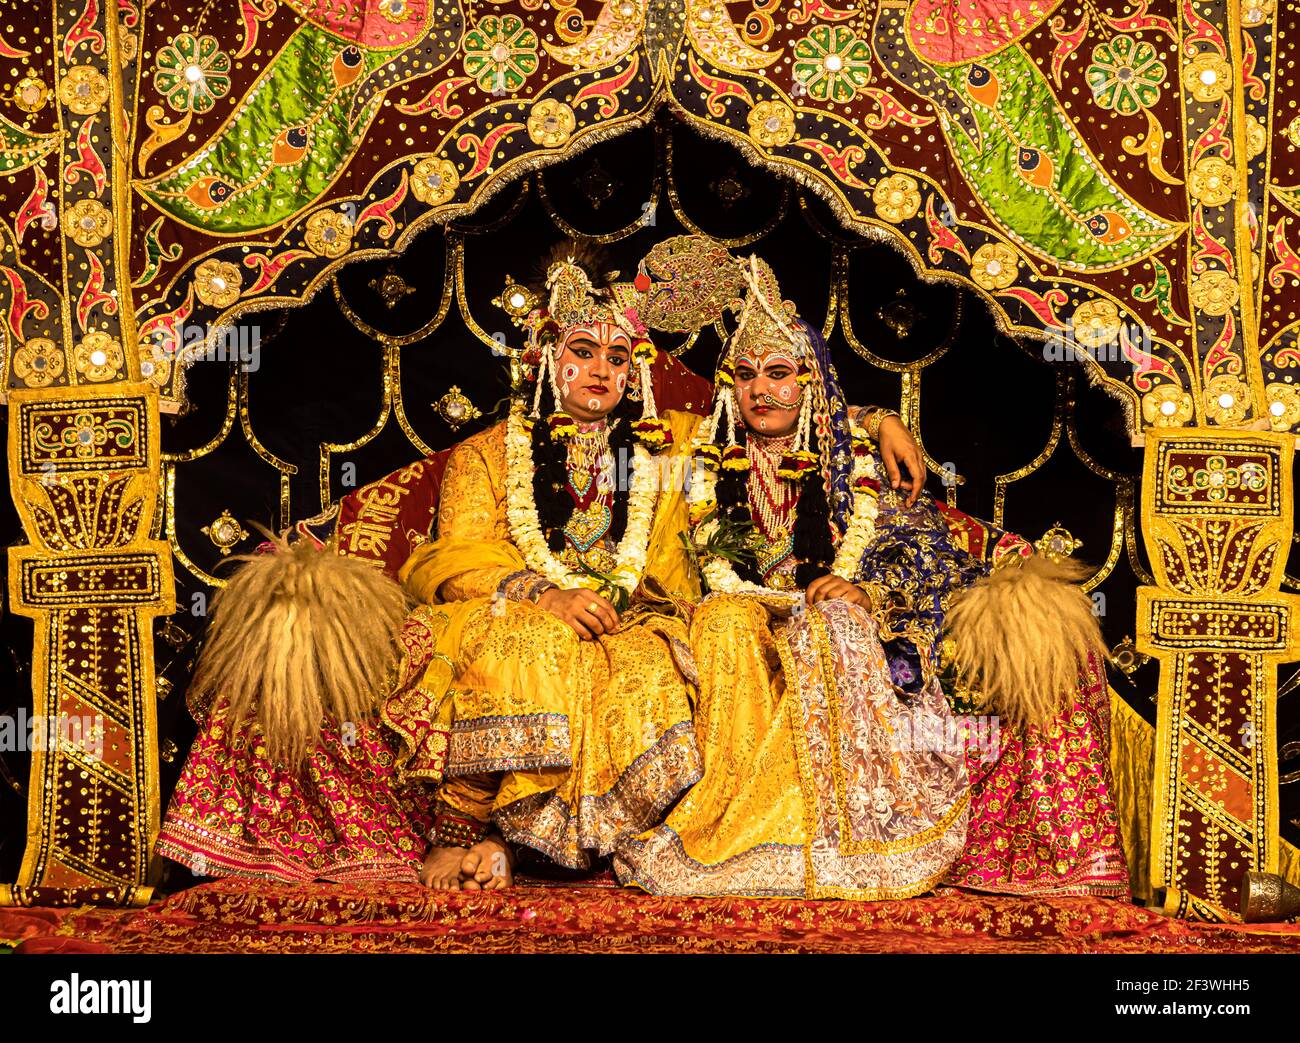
(599, 330)
(770, 358)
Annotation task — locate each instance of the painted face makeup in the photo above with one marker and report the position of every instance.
(593, 363)
(768, 393)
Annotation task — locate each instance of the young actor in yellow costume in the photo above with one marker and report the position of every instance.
(807, 789)
(834, 766)
(560, 569)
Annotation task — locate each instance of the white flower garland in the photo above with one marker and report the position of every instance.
(722, 578)
(521, 511)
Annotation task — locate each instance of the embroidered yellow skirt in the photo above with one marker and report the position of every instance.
(819, 781)
(582, 743)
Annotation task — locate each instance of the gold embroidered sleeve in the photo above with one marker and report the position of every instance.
(472, 509)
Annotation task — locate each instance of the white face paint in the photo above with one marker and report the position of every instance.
(593, 404)
(620, 382)
(567, 376)
(767, 392)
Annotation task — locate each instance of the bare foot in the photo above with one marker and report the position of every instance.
(442, 867)
(487, 866)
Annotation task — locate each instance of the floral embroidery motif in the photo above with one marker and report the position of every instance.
(1125, 75)
(1212, 181)
(89, 222)
(897, 198)
(1167, 406)
(1227, 399)
(551, 123)
(1215, 293)
(771, 123)
(38, 363)
(329, 233)
(434, 181)
(192, 74)
(98, 357)
(84, 90)
(217, 282)
(1207, 77)
(1216, 479)
(1283, 405)
(994, 266)
(500, 53)
(1096, 323)
(832, 63)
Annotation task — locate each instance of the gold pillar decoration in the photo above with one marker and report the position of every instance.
(83, 454)
(1216, 517)
(81, 472)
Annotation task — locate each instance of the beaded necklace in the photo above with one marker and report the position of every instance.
(589, 467)
(772, 503)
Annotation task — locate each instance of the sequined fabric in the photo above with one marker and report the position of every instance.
(589, 740)
(1043, 818)
(815, 784)
(342, 817)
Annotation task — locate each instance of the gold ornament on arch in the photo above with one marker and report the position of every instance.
(897, 198)
(551, 123)
(217, 283)
(98, 357)
(771, 123)
(1212, 181)
(1215, 292)
(434, 181)
(994, 266)
(1096, 323)
(1167, 406)
(39, 362)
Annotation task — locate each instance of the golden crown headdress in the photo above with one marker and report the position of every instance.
(573, 299)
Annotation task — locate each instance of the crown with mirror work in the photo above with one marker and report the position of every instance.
(574, 301)
(696, 281)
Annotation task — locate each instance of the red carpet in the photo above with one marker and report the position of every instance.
(235, 917)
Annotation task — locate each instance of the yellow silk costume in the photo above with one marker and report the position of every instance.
(819, 781)
(568, 745)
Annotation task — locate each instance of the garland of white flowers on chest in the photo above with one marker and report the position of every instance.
(567, 281)
(526, 530)
(702, 500)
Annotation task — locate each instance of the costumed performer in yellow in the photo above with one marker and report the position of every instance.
(559, 564)
(833, 766)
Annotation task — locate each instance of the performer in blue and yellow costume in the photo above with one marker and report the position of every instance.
(834, 765)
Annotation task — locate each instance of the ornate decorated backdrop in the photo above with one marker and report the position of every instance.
(1114, 183)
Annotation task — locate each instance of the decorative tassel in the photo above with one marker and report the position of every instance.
(648, 408)
(545, 375)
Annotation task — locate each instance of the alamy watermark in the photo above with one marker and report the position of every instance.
(77, 995)
(948, 733)
(1123, 342)
(196, 342)
(26, 733)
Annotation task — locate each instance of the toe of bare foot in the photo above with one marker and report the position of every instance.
(441, 869)
(492, 864)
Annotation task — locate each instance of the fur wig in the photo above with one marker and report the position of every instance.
(1022, 635)
(299, 634)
